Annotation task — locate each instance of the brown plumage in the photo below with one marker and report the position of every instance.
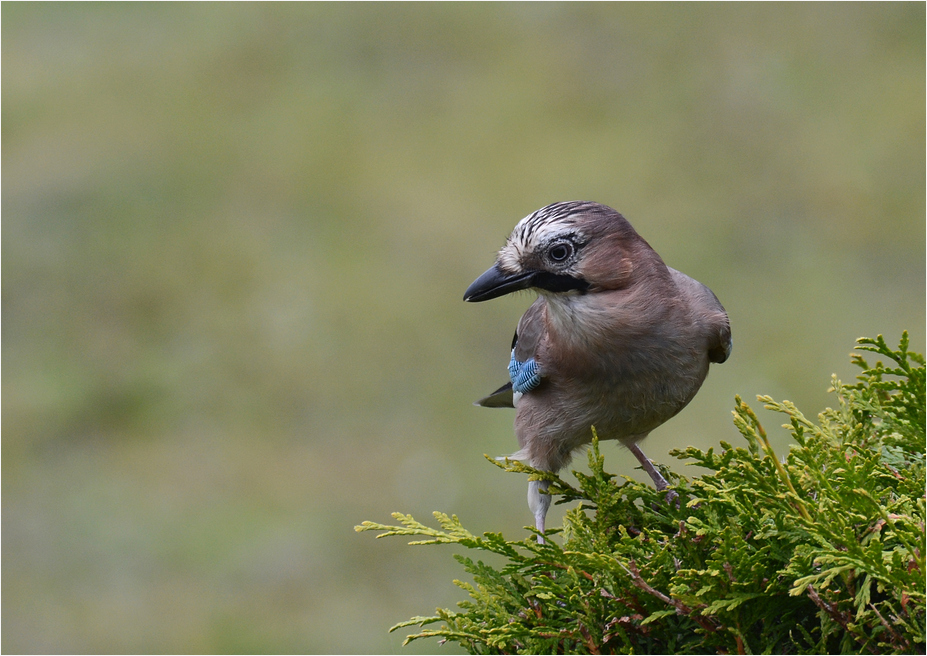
(621, 341)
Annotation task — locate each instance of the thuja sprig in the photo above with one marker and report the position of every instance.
(821, 551)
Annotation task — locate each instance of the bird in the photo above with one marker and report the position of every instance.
(616, 339)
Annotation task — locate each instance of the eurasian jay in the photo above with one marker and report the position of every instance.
(616, 339)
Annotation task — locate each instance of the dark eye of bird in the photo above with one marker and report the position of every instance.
(560, 252)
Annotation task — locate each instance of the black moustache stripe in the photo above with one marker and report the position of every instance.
(557, 282)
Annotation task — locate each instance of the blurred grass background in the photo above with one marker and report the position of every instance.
(236, 237)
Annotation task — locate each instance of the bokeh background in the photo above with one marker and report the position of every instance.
(236, 238)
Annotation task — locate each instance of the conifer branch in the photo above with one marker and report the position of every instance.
(822, 552)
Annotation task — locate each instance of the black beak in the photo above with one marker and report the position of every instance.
(495, 283)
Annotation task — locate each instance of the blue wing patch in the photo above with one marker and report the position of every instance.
(524, 375)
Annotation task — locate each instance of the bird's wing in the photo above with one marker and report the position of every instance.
(530, 331)
(711, 312)
(524, 346)
(720, 349)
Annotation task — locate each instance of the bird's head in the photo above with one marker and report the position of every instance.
(565, 248)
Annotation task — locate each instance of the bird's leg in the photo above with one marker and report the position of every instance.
(657, 478)
(539, 504)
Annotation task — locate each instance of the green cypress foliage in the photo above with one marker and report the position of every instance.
(820, 552)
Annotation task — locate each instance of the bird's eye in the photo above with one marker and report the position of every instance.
(560, 251)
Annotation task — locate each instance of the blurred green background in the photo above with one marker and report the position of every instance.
(236, 238)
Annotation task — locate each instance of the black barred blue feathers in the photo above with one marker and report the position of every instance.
(524, 375)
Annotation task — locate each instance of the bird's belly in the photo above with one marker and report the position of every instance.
(620, 412)
(622, 403)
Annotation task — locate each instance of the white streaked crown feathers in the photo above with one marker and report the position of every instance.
(539, 228)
